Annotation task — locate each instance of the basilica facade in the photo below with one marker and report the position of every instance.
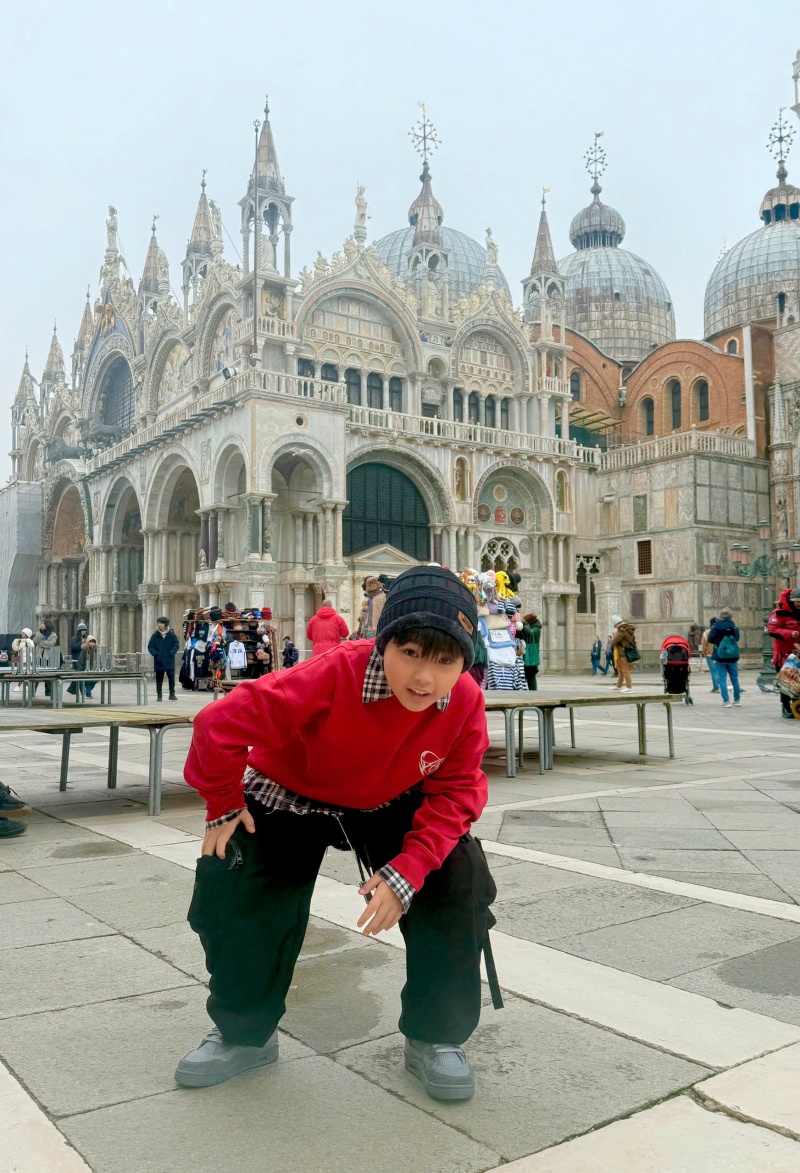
(270, 438)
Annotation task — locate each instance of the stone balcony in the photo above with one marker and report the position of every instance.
(680, 444)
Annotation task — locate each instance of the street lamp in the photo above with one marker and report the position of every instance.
(764, 567)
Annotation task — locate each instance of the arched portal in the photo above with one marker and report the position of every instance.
(64, 577)
(385, 507)
(176, 542)
(119, 571)
(230, 484)
(302, 538)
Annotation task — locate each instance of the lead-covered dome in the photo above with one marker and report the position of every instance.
(614, 298)
(747, 283)
(466, 259)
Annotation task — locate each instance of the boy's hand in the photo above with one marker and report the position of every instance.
(216, 840)
(384, 909)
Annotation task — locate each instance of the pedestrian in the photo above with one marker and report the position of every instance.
(724, 638)
(376, 746)
(290, 653)
(46, 638)
(595, 655)
(264, 656)
(532, 634)
(694, 639)
(625, 652)
(23, 648)
(609, 653)
(11, 807)
(371, 607)
(706, 650)
(78, 644)
(163, 647)
(326, 629)
(783, 626)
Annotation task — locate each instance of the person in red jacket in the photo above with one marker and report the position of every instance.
(375, 747)
(326, 629)
(784, 627)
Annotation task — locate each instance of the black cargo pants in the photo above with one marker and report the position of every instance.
(251, 910)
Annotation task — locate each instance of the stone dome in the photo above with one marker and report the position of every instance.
(747, 280)
(467, 258)
(597, 224)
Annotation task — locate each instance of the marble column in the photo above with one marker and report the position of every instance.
(300, 617)
(337, 513)
(115, 627)
(571, 652)
(223, 535)
(298, 539)
(204, 534)
(437, 544)
(551, 570)
(564, 419)
(452, 552)
(212, 539)
(131, 640)
(266, 518)
(327, 531)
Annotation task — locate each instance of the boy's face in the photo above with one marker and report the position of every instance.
(416, 682)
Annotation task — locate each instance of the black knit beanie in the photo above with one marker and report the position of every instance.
(431, 596)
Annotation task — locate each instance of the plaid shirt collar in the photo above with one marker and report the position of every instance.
(376, 686)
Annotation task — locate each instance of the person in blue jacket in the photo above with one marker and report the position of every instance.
(163, 647)
(724, 637)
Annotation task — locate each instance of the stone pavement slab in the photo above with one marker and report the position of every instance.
(765, 981)
(668, 838)
(771, 839)
(683, 816)
(763, 1091)
(521, 881)
(14, 888)
(310, 1114)
(541, 1076)
(674, 943)
(80, 973)
(132, 891)
(752, 884)
(645, 859)
(675, 1137)
(782, 867)
(552, 915)
(29, 1141)
(30, 851)
(39, 922)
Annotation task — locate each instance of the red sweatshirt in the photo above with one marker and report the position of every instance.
(309, 730)
(326, 630)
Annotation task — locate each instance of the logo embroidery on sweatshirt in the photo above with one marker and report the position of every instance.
(429, 762)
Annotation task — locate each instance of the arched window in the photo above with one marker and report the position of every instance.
(701, 391)
(732, 346)
(385, 506)
(395, 394)
(475, 408)
(505, 414)
(562, 491)
(117, 395)
(648, 417)
(575, 388)
(458, 405)
(674, 396)
(781, 297)
(330, 373)
(374, 390)
(305, 368)
(353, 380)
(490, 411)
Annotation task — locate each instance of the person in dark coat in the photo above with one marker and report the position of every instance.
(76, 645)
(163, 647)
(724, 639)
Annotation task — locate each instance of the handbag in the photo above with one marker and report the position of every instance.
(632, 654)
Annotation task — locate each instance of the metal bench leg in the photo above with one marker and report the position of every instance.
(511, 749)
(113, 756)
(156, 755)
(144, 690)
(65, 743)
(640, 720)
(550, 739)
(521, 736)
(670, 731)
(542, 740)
(572, 727)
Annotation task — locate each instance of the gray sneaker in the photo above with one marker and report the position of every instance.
(442, 1068)
(213, 1060)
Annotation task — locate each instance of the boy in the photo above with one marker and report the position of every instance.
(290, 653)
(375, 745)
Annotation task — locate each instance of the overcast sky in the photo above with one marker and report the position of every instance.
(126, 104)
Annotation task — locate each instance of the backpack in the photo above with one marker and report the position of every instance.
(727, 649)
(632, 654)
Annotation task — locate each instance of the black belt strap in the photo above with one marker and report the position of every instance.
(491, 974)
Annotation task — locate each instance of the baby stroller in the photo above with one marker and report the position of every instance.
(675, 666)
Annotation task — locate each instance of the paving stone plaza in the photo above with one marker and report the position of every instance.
(648, 946)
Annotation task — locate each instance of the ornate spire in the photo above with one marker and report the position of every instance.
(202, 229)
(25, 391)
(265, 169)
(544, 259)
(778, 202)
(149, 281)
(54, 367)
(86, 329)
(425, 214)
(596, 226)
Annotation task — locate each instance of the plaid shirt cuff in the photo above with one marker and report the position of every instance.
(212, 824)
(398, 884)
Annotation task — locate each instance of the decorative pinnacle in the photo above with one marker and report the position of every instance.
(779, 142)
(595, 159)
(424, 136)
(545, 192)
(266, 106)
(203, 180)
(157, 217)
